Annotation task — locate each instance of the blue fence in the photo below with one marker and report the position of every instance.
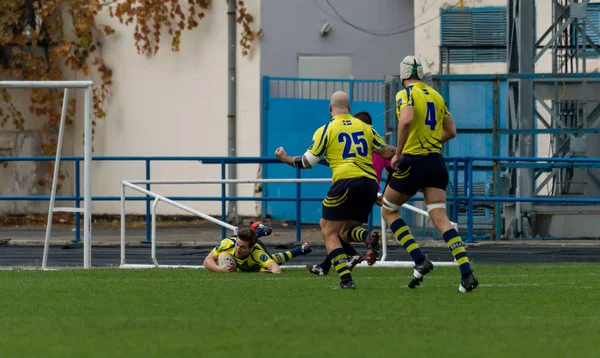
(293, 109)
(459, 167)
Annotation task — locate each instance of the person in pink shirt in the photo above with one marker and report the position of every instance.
(354, 258)
(379, 163)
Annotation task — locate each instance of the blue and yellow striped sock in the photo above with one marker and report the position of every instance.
(358, 234)
(457, 246)
(339, 261)
(348, 249)
(283, 257)
(402, 233)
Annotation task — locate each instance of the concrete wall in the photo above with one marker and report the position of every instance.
(170, 104)
(291, 29)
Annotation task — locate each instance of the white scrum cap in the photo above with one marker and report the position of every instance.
(411, 66)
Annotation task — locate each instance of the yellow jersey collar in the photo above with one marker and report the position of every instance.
(342, 116)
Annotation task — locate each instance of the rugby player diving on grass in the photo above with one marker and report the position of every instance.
(247, 253)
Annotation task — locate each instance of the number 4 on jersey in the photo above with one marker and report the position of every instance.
(430, 116)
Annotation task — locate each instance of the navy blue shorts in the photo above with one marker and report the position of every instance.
(419, 171)
(350, 199)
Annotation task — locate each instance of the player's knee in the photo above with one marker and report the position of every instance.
(388, 207)
(326, 228)
(323, 224)
(437, 214)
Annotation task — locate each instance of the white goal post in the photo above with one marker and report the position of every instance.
(87, 162)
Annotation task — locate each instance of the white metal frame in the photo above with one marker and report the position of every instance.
(87, 162)
(132, 184)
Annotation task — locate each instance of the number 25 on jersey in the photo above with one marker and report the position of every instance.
(356, 140)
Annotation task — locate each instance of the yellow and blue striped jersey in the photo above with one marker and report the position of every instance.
(257, 260)
(429, 112)
(347, 144)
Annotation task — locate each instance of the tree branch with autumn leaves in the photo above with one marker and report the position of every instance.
(35, 45)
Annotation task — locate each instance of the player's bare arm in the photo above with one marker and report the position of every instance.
(272, 267)
(406, 117)
(386, 152)
(448, 129)
(210, 263)
(306, 161)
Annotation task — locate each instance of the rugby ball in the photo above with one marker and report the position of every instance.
(226, 259)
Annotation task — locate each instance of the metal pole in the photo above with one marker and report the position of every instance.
(298, 208)
(496, 227)
(223, 202)
(469, 187)
(153, 252)
(78, 200)
(148, 234)
(61, 129)
(123, 223)
(383, 239)
(87, 181)
(231, 104)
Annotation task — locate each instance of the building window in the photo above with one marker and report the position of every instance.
(593, 15)
(473, 35)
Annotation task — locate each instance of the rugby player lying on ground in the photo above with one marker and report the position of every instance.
(249, 253)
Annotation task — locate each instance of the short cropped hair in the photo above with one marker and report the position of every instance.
(248, 235)
(365, 117)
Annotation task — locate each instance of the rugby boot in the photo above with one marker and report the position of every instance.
(419, 272)
(468, 283)
(347, 285)
(317, 270)
(373, 242)
(355, 260)
(306, 248)
(261, 230)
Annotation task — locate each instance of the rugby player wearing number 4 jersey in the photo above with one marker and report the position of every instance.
(347, 144)
(424, 125)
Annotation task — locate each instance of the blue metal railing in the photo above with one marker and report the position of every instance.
(455, 164)
(223, 161)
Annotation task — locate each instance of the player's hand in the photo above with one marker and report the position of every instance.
(228, 268)
(395, 161)
(280, 153)
(379, 200)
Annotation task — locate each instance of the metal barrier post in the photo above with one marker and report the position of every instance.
(351, 91)
(455, 192)
(148, 198)
(469, 189)
(266, 88)
(223, 201)
(298, 206)
(77, 201)
(497, 229)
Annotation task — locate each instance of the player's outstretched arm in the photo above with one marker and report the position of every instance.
(272, 267)
(448, 129)
(305, 161)
(210, 263)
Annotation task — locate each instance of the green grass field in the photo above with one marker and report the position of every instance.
(519, 310)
